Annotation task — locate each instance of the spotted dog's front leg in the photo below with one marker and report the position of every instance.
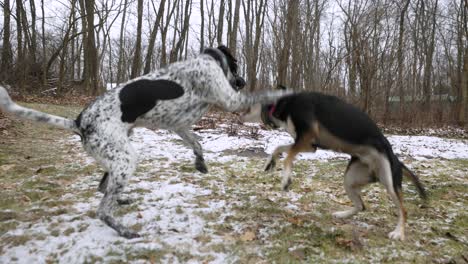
(271, 162)
(191, 140)
(219, 92)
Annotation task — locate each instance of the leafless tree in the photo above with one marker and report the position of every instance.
(394, 59)
(136, 65)
(7, 54)
(154, 31)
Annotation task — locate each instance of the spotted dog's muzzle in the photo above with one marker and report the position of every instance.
(238, 83)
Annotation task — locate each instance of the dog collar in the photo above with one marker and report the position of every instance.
(218, 56)
(272, 110)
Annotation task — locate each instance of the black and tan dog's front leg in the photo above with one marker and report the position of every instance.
(190, 139)
(271, 162)
(304, 143)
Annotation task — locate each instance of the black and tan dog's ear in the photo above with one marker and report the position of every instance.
(281, 87)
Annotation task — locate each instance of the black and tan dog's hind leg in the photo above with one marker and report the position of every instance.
(357, 175)
(386, 177)
(362, 171)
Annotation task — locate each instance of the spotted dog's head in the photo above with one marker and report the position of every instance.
(229, 65)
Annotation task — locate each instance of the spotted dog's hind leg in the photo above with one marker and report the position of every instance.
(103, 186)
(103, 183)
(357, 175)
(119, 159)
(271, 162)
(191, 140)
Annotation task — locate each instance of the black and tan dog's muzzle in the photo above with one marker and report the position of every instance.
(266, 116)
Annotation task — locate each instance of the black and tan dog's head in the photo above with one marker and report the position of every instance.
(229, 65)
(271, 115)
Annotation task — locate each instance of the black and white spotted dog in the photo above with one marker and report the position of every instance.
(171, 98)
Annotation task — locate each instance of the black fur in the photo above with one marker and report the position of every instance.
(340, 118)
(326, 121)
(232, 62)
(354, 125)
(140, 96)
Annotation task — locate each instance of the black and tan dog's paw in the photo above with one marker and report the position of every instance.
(286, 184)
(270, 166)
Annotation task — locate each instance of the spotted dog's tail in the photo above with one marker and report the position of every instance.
(7, 105)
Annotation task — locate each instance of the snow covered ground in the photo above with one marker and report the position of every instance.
(171, 204)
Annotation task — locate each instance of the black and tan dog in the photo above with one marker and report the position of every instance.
(318, 120)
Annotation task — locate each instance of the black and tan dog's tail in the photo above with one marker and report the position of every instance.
(7, 105)
(415, 180)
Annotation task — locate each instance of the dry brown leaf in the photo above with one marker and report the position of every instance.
(296, 221)
(7, 167)
(229, 237)
(248, 236)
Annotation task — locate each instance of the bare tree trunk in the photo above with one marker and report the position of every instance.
(152, 40)
(33, 32)
(235, 27)
(73, 56)
(64, 52)
(296, 52)
(220, 22)
(44, 53)
(7, 54)
(429, 49)
(91, 76)
(120, 64)
(212, 27)
(164, 29)
(202, 26)
(187, 11)
(292, 11)
(254, 13)
(137, 55)
(463, 104)
(400, 55)
(19, 42)
(463, 83)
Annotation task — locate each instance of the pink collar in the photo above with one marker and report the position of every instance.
(272, 109)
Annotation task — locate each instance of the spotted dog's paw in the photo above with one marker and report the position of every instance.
(200, 165)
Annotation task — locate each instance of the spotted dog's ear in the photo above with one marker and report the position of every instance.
(140, 96)
(232, 62)
(219, 57)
